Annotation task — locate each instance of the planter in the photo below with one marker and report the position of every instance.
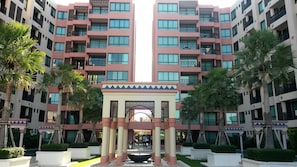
(16, 162)
(80, 153)
(199, 154)
(223, 159)
(185, 150)
(95, 150)
(253, 163)
(53, 158)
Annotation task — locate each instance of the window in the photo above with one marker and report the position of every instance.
(119, 7)
(187, 11)
(226, 49)
(56, 62)
(231, 118)
(260, 7)
(167, 8)
(233, 14)
(227, 65)
(60, 31)
(99, 26)
(168, 59)
(168, 41)
(59, 47)
(118, 58)
(119, 24)
(224, 18)
(81, 16)
(53, 98)
(225, 33)
(97, 61)
(207, 65)
(53, 12)
(49, 44)
(234, 30)
(62, 15)
(167, 24)
(205, 18)
(263, 25)
(51, 117)
(177, 97)
(99, 10)
(192, 45)
(177, 115)
(188, 61)
(188, 28)
(95, 78)
(11, 9)
(273, 113)
(236, 47)
(98, 43)
(43, 97)
(118, 41)
(117, 76)
(241, 117)
(168, 77)
(210, 118)
(47, 61)
(41, 115)
(51, 28)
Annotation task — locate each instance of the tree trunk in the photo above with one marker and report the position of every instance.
(5, 114)
(93, 135)
(80, 136)
(201, 137)
(221, 137)
(57, 131)
(189, 134)
(267, 129)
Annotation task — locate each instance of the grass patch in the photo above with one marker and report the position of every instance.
(86, 162)
(192, 163)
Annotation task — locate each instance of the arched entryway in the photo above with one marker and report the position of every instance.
(119, 100)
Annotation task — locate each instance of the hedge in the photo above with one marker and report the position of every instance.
(54, 147)
(223, 148)
(187, 144)
(94, 144)
(11, 152)
(201, 146)
(78, 145)
(272, 155)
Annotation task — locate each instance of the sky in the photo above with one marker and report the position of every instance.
(144, 17)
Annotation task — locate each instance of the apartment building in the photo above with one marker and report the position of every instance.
(189, 40)
(280, 16)
(41, 16)
(97, 39)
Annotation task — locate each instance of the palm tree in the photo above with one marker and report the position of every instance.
(220, 94)
(93, 109)
(66, 80)
(20, 62)
(189, 113)
(78, 99)
(261, 61)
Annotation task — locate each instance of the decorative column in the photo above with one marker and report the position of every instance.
(112, 134)
(157, 159)
(121, 123)
(153, 141)
(284, 136)
(125, 141)
(22, 131)
(258, 139)
(172, 141)
(167, 141)
(105, 141)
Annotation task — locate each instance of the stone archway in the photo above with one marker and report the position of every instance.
(120, 97)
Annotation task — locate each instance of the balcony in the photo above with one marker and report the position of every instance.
(283, 37)
(189, 63)
(189, 81)
(247, 23)
(3, 10)
(99, 2)
(278, 15)
(245, 5)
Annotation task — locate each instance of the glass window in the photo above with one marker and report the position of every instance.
(119, 7)
(192, 45)
(241, 117)
(188, 28)
(81, 16)
(177, 115)
(60, 31)
(226, 49)
(117, 76)
(187, 11)
(273, 113)
(51, 116)
(227, 65)
(47, 61)
(119, 24)
(167, 24)
(225, 33)
(118, 58)
(167, 8)
(51, 28)
(99, 10)
(49, 44)
(234, 30)
(210, 118)
(98, 43)
(177, 97)
(168, 77)
(224, 18)
(205, 18)
(59, 47)
(188, 61)
(168, 41)
(207, 65)
(56, 62)
(233, 14)
(263, 25)
(62, 15)
(53, 98)
(231, 118)
(118, 41)
(97, 61)
(168, 59)
(260, 7)
(95, 78)
(53, 12)
(98, 26)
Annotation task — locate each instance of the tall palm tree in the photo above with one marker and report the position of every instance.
(189, 113)
(20, 62)
(78, 99)
(93, 109)
(66, 80)
(220, 94)
(261, 61)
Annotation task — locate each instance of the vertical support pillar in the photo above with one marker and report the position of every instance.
(172, 141)
(157, 159)
(40, 140)
(105, 141)
(241, 144)
(167, 141)
(22, 131)
(112, 134)
(153, 141)
(284, 136)
(121, 122)
(125, 141)
(258, 139)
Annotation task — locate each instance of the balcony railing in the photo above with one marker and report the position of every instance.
(99, 2)
(98, 11)
(247, 23)
(189, 46)
(79, 33)
(244, 6)
(278, 15)
(96, 63)
(209, 35)
(283, 37)
(189, 29)
(185, 82)
(97, 28)
(189, 63)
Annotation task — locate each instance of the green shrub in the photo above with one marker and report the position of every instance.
(11, 152)
(94, 144)
(272, 155)
(223, 148)
(187, 144)
(78, 145)
(54, 147)
(292, 133)
(201, 146)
